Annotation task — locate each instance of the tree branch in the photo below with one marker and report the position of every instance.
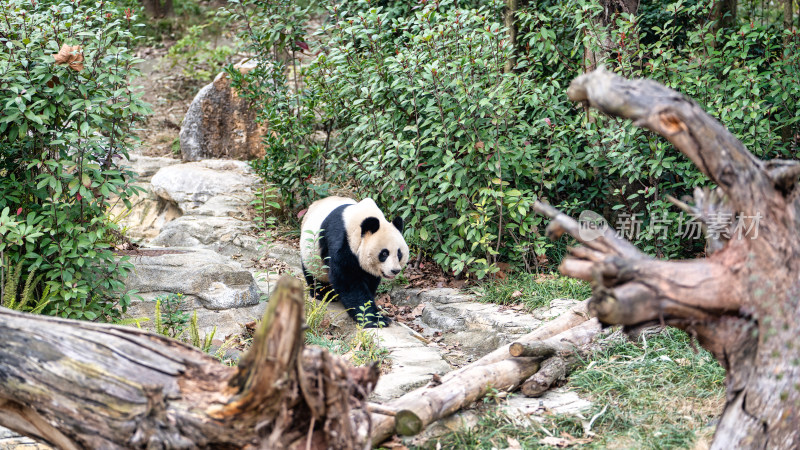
(712, 148)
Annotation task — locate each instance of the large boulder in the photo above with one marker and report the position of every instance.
(220, 124)
(144, 167)
(209, 187)
(215, 281)
(224, 235)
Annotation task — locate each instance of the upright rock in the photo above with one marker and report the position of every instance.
(220, 124)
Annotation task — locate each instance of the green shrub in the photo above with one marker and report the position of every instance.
(744, 79)
(170, 320)
(198, 57)
(275, 30)
(415, 109)
(62, 135)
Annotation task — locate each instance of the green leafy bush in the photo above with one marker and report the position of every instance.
(198, 57)
(744, 79)
(415, 108)
(62, 134)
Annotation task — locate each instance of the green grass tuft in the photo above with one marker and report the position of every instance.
(537, 290)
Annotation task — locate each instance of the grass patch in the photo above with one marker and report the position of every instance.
(535, 290)
(659, 394)
(361, 348)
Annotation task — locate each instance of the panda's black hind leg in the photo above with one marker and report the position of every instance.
(319, 289)
(358, 297)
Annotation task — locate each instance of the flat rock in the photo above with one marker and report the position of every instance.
(478, 328)
(146, 216)
(146, 166)
(220, 124)
(523, 411)
(557, 307)
(217, 282)
(192, 185)
(555, 401)
(413, 362)
(225, 235)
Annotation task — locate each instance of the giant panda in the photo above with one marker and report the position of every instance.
(349, 246)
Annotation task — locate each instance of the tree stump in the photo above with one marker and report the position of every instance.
(80, 385)
(741, 301)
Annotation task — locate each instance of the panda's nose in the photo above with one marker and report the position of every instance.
(395, 271)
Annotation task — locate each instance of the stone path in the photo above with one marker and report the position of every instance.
(198, 240)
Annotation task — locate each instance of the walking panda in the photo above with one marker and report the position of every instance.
(348, 246)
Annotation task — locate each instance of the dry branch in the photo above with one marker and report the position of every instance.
(84, 385)
(551, 371)
(566, 342)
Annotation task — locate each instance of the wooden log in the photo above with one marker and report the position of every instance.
(573, 317)
(565, 342)
(415, 412)
(741, 301)
(498, 370)
(550, 371)
(77, 385)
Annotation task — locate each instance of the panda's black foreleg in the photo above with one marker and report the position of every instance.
(359, 300)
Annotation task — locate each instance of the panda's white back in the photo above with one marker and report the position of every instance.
(309, 237)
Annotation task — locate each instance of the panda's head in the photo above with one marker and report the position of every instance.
(382, 251)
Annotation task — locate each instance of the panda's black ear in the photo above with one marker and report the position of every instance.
(398, 223)
(370, 225)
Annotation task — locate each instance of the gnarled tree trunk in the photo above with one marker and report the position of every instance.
(741, 301)
(81, 385)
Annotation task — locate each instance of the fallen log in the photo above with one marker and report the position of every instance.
(573, 317)
(78, 385)
(550, 372)
(562, 352)
(416, 413)
(458, 389)
(563, 343)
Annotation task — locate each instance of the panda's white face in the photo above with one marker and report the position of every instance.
(383, 253)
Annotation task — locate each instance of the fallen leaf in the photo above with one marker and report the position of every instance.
(395, 443)
(417, 311)
(513, 444)
(71, 55)
(554, 441)
(516, 294)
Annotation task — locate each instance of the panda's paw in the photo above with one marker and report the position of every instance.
(380, 322)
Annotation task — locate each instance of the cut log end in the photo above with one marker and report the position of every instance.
(407, 423)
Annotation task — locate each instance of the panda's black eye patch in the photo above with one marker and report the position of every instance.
(383, 255)
(400, 255)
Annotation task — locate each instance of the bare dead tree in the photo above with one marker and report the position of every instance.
(741, 301)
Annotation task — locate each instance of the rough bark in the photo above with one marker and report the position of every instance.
(458, 389)
(565, 342)
(724, 13)
(741, 302)
(81, 385)
(550, 372)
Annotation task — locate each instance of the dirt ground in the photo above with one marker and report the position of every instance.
(169, 94)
